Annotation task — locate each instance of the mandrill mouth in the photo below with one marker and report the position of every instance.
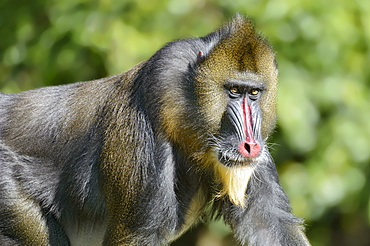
(243, 155)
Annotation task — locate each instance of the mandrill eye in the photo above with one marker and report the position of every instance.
(254, 93)
(234, 92)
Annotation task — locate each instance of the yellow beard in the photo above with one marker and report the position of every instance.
(234, 182)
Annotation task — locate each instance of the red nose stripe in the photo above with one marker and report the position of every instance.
(250, 147)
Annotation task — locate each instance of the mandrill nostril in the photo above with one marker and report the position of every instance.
(247, 147)
(249, 150)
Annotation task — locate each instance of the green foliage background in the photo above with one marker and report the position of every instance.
(322, 140)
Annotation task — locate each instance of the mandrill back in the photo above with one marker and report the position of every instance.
(135, 159)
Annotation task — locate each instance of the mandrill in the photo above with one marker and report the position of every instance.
(139, 157)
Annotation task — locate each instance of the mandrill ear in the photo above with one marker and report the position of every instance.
(200, 56)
